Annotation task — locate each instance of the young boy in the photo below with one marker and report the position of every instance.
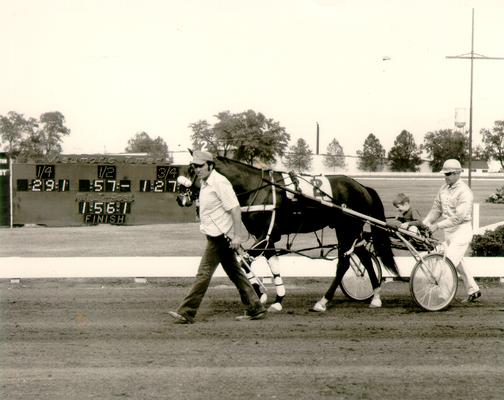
(408, 218)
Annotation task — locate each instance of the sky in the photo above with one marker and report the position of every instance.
(118, 67)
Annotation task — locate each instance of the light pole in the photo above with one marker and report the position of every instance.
(472, 56)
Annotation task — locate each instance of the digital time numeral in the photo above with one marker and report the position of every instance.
(104, 185)
(157, 186)
(50, 185)
(43, 185)
(104, 207)
(104, 212)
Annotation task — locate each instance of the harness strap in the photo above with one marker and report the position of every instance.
(273, 213)
(258, 207)
(265, 207)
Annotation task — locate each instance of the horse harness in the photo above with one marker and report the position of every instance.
(288, 179)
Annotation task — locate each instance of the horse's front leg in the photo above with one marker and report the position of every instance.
(246, 260)
(274, 265)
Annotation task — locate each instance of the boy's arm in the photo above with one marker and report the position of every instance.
(416, 218)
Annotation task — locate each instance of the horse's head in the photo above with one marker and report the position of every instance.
(187, 192)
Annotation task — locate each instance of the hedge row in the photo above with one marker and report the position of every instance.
(497, 197)
(490, 244)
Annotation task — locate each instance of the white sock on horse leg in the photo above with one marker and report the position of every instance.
(279, 286)
(274, 264)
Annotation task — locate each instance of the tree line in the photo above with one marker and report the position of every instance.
(253, 138)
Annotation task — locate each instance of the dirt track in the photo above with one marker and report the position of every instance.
(113, 339)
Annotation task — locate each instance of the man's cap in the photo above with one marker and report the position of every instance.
(201, 157)
(400, 199)
(451, 165)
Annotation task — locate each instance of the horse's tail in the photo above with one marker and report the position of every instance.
(381, 239)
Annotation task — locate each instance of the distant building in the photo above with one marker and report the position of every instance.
(477, 166)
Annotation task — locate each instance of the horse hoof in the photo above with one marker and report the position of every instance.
(375, 303)
(275, 307)
(319, 307)
(263, 298)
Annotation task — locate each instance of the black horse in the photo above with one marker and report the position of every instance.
(270, 210)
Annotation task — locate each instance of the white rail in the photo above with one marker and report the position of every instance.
(124, 267)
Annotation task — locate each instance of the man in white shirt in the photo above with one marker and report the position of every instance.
(452, 211)
(220, 221)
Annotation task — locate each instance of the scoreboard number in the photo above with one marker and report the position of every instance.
(166, 180)
(43, 171)
(96, 191)
(107, 172)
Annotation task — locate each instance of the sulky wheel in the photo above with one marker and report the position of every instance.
(356, 283)
(433, 282)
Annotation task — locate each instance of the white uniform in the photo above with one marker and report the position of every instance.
(453, 205)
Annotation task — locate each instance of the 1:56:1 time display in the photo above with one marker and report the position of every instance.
(104, 207)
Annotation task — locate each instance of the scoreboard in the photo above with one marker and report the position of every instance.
(82, 190)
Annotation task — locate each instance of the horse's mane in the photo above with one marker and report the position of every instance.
(239, 163)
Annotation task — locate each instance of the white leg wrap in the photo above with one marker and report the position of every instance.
(274, 265)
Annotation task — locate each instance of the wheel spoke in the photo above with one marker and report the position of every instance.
(433, 282)
(356, 283)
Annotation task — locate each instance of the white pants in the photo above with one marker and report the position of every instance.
(457, 241)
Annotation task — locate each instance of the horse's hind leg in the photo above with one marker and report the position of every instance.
(365, 258)
(341, 269)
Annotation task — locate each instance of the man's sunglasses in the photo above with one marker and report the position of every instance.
(450, 173)
(198, 165)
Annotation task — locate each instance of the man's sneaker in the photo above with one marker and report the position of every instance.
(179, 318)
(472, 297)
(253, 317)
(375, 303)
(319, 307)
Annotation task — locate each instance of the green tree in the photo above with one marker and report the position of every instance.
(247, 136)
(51, 131)
(203, 137)
(372, 155)
(494, 141)
(405, 154)
(444, 144)
(14, 129)
(299, 157)
(32, 146)
(28, 137)
(335, 156)
(479, 153)
(143, 143)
